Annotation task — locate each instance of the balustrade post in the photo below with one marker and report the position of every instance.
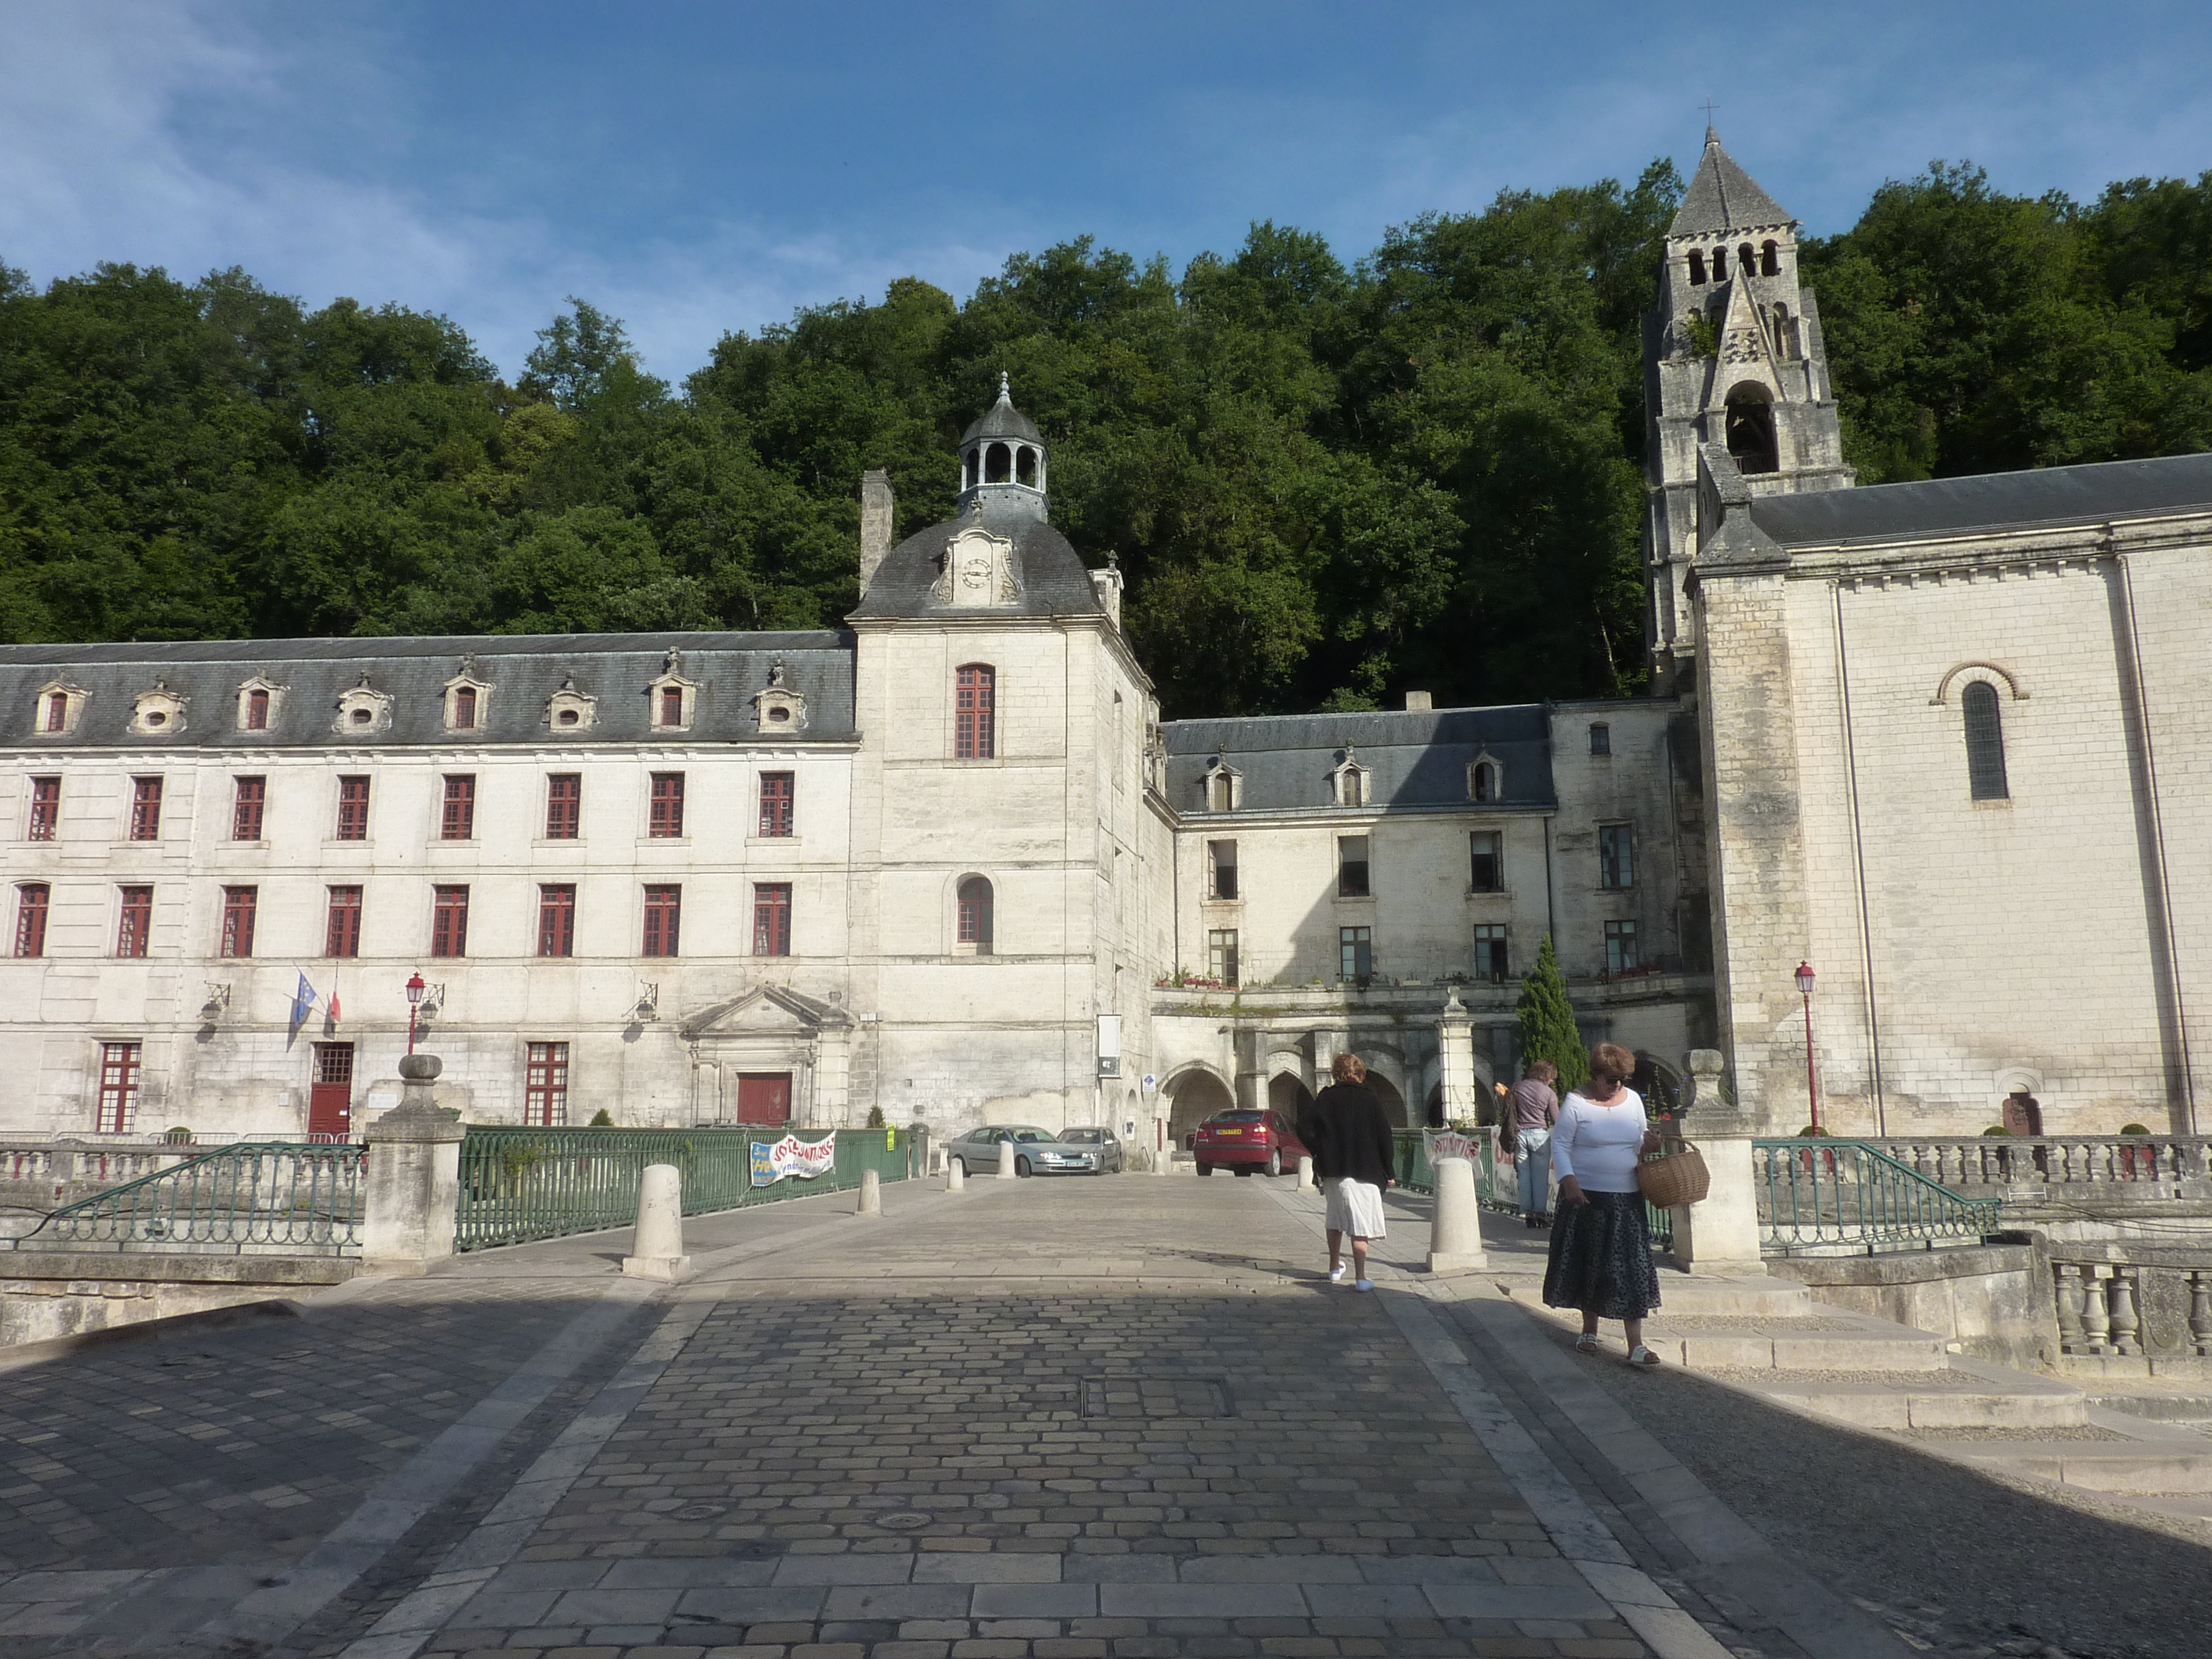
(2127, 1334)
(2096, 1309)
(2066, 1285)
(2200, 1312)
(413, 1186)
(1720, 1235)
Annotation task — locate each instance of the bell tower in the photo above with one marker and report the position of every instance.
(1733, 355)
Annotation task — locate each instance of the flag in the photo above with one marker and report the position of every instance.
(302, 999)
(330, 1016)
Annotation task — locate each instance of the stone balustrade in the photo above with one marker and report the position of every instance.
(2127, 1304)
(2173, 1164)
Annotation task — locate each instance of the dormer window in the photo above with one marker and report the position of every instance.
(362, 711)
(1349, 782)
(675, 697)
(57, 711)
(1224, 786)
(776, 706)
(1486, 780)
(468, 699)
(256, 709)
(258, 702)
(158, 712)
(568, 710)
(465, 709)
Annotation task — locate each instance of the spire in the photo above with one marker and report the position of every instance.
(1723, 196)
(1005, 391)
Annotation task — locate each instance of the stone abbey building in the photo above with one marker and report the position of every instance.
(945, 862)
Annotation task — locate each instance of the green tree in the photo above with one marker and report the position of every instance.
(1548, 1021)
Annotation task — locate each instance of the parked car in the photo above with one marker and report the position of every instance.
(1037, 1151)
(1109, 1146)
(1245, 1140)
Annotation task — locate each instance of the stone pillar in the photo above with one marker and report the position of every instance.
(414, 1177)
(1305, 1174)
(1005, 1160)
(1455, 1060)
(1721, 1235)
(1455, 1219)
(1251, 1069)
(956, 1176)
(657, 1245)
(872, 1194)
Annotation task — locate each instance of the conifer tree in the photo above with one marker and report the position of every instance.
(1548, 1021)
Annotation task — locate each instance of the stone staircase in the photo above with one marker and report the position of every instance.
(2148, 1446)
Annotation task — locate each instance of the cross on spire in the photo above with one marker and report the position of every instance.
(1710, 106)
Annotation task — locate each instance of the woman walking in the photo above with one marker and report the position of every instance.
(1530, 1111)
(1600, 1259)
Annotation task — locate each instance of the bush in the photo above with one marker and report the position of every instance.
(601, 1119)
(1811, 1130)
(1997, 1129)
(2134, 1129)
(875, 1117)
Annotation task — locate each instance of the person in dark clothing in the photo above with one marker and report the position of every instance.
(1356, 1160)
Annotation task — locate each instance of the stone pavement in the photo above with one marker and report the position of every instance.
(1106, 1417)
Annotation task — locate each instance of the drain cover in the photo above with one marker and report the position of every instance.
(903, 1520)
(699, 1512)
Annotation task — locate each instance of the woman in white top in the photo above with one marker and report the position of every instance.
(1600, 1260)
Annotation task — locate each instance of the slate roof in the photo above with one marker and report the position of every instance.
(1414, 757)
(2058, 494)
(1003, 420)
(522, 669)
(1723, 196)
(1052, 578)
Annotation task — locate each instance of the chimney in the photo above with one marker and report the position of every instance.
(875, 523)
(1107, 584)
(1418, 700)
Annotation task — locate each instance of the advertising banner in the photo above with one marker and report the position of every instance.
(1447, 1143)
(791, 1155)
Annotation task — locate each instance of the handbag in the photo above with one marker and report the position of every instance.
(1674, 1176)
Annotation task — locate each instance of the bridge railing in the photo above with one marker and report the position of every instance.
(251, 1198)
(1818, 1194)
(518, 1185)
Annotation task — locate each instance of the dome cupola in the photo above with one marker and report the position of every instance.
(1002, 457)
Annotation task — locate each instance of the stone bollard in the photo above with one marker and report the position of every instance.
(872, 1194)
(1305, 1174)
(1721, 1234)
(414, 1178)
(1455, 1219)
(657, 1246)
(956, 1176)
(1005, 1160)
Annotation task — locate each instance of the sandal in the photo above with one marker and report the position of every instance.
(1586, 1343)
(1642, 1357)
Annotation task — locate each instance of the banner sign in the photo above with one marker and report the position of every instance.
(791, 1155)
(1450, 1143)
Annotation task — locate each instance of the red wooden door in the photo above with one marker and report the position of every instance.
(764, 1097)
(330, 1101)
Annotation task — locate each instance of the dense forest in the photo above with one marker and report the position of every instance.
(1326, 483)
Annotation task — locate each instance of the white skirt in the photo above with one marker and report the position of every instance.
(1354, 1207)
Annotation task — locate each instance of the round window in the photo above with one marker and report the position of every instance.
(361, 717)
(157, 718)
(779, 713)
(569, 717)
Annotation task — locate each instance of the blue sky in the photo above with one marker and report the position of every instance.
(697, 168)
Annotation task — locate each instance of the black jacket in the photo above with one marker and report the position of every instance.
(1349, 1135)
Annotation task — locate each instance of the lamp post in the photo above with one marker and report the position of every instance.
(416, 987)
(1812, 1078)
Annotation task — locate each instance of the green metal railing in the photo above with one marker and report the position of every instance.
(1821, 1194)
(518, 1185)
(1497, 1184)
(253, 1198)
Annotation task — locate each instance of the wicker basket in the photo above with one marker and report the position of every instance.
(1677, 1177)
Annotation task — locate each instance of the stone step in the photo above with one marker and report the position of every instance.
(1704, 1295)
(1967, 1394)
(2183, 1410)
(1810, 1339)
(2101, 1466)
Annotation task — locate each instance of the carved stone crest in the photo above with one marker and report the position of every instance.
(979, 571)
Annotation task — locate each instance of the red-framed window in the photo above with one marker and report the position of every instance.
(557, 921)
(564, 806)
(353, 809)
(771, 918)
(57, 711)
(119, 1088)
(45, 807)
(145, 809)
(779, 792)
(256, 710)
(667, 822)
(975, 924)
(449, 921)
(250, 796)
(671, 705)
(465, 709)
(545, 1086)
(975, 712)
(458, 820)
(134, 923)
(341, 928)
(238, 904)
(663, 919)
(32, 899)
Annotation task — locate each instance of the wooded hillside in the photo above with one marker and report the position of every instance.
(1327, 484)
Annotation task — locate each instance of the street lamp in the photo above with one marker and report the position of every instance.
(1812, 1079)
(416, 987)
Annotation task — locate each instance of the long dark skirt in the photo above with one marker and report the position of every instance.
(1601, 1258)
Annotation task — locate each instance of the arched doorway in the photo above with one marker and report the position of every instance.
(1660, 1085)
(1393, 1103)
(1195, 1097)
(1751, 437)
(1288, 1094)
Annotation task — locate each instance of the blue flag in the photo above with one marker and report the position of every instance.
(302, 1000)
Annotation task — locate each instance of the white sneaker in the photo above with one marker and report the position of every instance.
(1336, 1274)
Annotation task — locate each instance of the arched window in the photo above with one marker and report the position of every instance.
(256, 710)
(1751, 430)
(1482, 781)
(1770, 259)
(57, 711)
(1697, 268)
(465, 709)
(1784, 347)
(1025, 470)
(973, 934)
(975, 711)
(998, 464)
(971, 472)
(1985, 761)
(1221, 790)
(1745, 260)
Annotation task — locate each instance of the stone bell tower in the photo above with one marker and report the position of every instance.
(1733, 354)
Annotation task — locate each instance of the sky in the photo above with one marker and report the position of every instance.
(698, 168)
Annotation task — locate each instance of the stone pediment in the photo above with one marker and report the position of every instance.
(766, 1011)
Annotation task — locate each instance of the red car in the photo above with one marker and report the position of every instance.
(1245, 1141)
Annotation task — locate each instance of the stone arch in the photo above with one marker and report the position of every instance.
(1287, 1093)
(1749, 420)
(998, 464)
(1989, 670)
(1658, 1083)
(1393, 1099)
(1194, 1094)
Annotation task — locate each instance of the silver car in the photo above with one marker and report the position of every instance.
(1037, 1151)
